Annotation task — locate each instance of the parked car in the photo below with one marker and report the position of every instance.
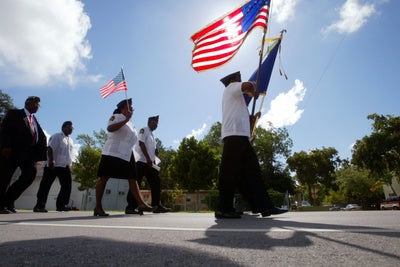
(352, 207)
(336, 207)
(392, 203)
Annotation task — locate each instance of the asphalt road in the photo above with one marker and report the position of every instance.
(76, 238)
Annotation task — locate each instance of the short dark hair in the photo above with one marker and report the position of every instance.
(65, 123)
(32, 99)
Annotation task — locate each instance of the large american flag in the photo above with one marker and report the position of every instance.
(116, 84)
(217, 43)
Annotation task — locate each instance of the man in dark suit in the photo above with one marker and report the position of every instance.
(22, 144)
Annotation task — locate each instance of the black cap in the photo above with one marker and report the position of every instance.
(122, 104)
(154, 118)
(228, 79)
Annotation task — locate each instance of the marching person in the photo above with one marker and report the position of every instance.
(59, 161)
(145, 164)
(240, 169)
(117, 159)
(22, 144)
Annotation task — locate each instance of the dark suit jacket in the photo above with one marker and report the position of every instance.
(16, 134)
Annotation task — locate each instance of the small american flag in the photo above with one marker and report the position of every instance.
(217, 43)
(115, 85)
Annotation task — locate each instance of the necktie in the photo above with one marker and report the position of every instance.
(32, 128)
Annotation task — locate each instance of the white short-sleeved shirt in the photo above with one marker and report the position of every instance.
(235, 115)
(120, 143)
(62, 147)
(146, 136)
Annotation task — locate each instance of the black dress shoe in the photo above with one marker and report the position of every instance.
(131, 211)
(227, 215)
(141, 209)
(12, 209)
(4, 211)
(272, 211)
(43, 210)
(100, 213)
(161, 209)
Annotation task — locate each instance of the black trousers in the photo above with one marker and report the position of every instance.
(7, 169)
(153, 179)
(240, 172)
(49, 175)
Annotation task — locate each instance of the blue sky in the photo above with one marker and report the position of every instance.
(341, 58)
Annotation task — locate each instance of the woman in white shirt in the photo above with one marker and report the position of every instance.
(117, 160)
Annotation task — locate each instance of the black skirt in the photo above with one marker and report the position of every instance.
(113, 167)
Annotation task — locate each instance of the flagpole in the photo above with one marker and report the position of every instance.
(256, 119)
(126, 94)
(259, 68)
(258, 76)
(257, 80)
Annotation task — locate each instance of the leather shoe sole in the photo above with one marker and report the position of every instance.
(273, 211)
(161, 209)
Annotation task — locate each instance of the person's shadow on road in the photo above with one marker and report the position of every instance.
(253, 232)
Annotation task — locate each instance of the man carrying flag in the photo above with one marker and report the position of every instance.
(115, 85)
(217, 43)
(240, 169)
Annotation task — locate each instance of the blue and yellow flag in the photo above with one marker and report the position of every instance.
(266, 69)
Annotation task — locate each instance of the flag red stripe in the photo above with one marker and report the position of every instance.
(209, 29)
(111, 88)
(216, 44)
(210, 55)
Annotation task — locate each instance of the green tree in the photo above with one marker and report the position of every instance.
(100, 137)
(273, 147)
(355, 185)
(194, 166)
(85, 168)
(6, 103)
(380, 151)
(315, 169)
(88, 159)
(213, 137)
(165, 155)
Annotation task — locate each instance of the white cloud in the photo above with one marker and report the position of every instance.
(76, 149)
(198, 132)
(284, 109)
(352, 17)
(195, 133)
(43, 40)
(283, 10)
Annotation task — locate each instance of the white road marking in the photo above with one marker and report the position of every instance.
(255, 230)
